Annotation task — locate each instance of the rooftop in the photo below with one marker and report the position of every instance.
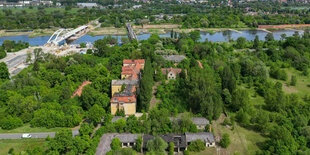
(174, 70)
(175, 58)
(79, 90)
(133, 61)
(125, 81)
(127, 137)
(196, 120)
(177, 139)
(116, 118)
(204, 136)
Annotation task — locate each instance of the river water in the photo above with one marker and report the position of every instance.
(223, 36)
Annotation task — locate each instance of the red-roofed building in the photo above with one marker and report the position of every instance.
(129, 62)
(126, 100)
(79, 90)
(171, 72)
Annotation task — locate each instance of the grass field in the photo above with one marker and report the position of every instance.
(302, 87)
(243, 141)
(20, 145)
(27, 129)
(48, 10)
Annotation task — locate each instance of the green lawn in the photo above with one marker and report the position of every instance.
(20, 145)
(243, 141)
(302, 87)
(27, 129)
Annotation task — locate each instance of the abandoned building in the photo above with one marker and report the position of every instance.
(171, 73)
(124, 91)
(200, 122)
(181, 141)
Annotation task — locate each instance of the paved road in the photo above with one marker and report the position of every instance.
(104, 145)
(33, 135)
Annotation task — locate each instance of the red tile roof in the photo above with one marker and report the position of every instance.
(174, 70)
(79, 90)
(133, 61)
(127, 99)
(200, 64)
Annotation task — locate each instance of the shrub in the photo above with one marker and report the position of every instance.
(11, 123)
(293, 80)
(196, 146)
(186, 152)
(225, 141)
(171, 148)
(115, 144)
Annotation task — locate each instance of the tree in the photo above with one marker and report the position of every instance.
(28, 59)
(146, 86)
(62, 142)
(241, 43)
(36, 66)
(283, 36)
(10, 122)
(139, 144)
(256, 42)
(86, 129)
(156, 144)
(95, 114)
(225, 140)
(269, 37)
(196, 146)
(195, 35)
(91, 96)
(120, 125)
(171, 148)
(4, 72)
(293, 80)
(82, 45)
(115, 144)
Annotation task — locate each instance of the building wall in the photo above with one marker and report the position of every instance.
(113, 108)
(171, 75)
(210, 144)
(129, 108)
(116, 89)
(125, 76)
(201, 127)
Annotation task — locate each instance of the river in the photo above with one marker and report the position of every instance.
(223, 36)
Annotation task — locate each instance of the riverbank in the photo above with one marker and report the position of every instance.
(31, 34)
(150, 29)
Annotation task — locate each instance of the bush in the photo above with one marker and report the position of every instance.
(11, 123)
(171, 148)
(225, 141)
(186, 152)
(196, 146)
(115, 144)
(293, 80)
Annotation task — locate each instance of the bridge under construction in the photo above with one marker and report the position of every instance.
(67, 35)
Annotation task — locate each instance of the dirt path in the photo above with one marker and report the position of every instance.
(154, 101)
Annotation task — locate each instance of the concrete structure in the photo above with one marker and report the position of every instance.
(125, 100)
(171, 72)
(116, 85)
(206, 137)
(200, 122)
(56, 38)
(174, 58)
(131, 34)
(87, 5)
(181, 141)
(127, 139)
